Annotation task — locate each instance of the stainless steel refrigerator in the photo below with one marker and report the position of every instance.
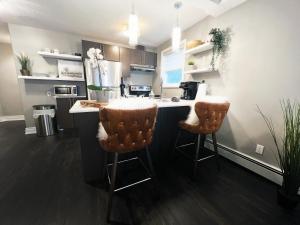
(110, 74)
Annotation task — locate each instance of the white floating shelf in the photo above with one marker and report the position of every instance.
(49, 78)
(199, 49)
(204, 70)
(60, 56)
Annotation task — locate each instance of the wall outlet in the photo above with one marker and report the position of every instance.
(259, 149)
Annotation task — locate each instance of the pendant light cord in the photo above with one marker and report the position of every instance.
(177, 6)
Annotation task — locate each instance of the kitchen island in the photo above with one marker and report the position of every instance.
(92, 156)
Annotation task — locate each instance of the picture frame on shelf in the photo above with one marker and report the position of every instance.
(70, 69)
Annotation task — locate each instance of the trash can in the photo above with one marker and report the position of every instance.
(45, 120)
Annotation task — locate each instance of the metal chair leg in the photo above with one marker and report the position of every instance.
(112, 186)
(150, 162)
(202, 141)
(214, 138)
(105, 164)
(176, 142)
(196, 155)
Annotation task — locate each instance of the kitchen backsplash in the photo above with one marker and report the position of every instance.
(140, 78)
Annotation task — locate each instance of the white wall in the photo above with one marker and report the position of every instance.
(10, 100)
(31, 40)
(262, 67)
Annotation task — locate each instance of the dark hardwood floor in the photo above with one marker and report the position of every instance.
(41, 184)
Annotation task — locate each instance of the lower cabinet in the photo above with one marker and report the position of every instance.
(65, 120)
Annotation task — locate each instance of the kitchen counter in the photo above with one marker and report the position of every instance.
(92, 155)
(70, 96)
(161, 103)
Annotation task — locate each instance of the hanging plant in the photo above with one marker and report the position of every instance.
(220, 40)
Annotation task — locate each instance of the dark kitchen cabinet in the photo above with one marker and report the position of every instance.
(111, 52)
(124, 55)
(65, 120)
(86, 45)
(136, 56)
(125, 60)
(142, 57)
(150, 59)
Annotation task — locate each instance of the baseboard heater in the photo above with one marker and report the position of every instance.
(269, 172)
(275, 170)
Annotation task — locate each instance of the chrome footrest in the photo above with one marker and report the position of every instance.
(208, 153)
(131, 184)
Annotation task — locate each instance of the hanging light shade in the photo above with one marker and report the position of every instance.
(133, 28)
(176, 38)
(176, 33)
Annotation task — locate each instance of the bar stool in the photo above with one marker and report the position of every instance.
(210, 117)
(128, 130)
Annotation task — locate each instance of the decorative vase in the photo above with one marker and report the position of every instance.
(102, 96)
(25, 72)
(286, 201)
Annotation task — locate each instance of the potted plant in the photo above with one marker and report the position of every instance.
(288, 152)
(191, 65)
(220, 40)
(24, 61)
(95, 57)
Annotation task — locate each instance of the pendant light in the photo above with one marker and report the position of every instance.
(176, 33)
(133, 28)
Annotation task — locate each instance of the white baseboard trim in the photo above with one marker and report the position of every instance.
(11, 118)
(265, 170)
(30, 130)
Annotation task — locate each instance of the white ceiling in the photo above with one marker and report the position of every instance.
(106, 19)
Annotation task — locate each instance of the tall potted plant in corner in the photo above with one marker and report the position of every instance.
(220, 40)
(24, 61)
(288, 152)
(95, 58)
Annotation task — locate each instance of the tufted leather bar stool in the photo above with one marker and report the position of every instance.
(210, 117)
(128, 130)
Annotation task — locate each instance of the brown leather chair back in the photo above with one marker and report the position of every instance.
(210, 115)
(127, 130)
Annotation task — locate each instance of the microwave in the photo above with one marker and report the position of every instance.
(65, 90)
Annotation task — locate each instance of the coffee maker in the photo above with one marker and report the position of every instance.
(190, 89)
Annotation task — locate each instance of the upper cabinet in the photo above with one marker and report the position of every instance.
(125, 60)
(111, 52)
(142, 57)
(86, 45)
(150, 58)
(135, 56)
(124, 55)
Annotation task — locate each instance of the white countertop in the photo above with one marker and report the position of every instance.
(78, 108)
(66, 96)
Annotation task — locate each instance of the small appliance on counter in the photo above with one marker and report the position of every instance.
(65, 90)
(139, 90)
(190, 89)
